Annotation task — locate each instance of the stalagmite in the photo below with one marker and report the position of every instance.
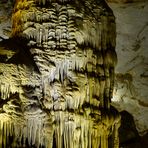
(56, 86)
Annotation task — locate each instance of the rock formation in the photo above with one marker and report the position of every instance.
(57, 76)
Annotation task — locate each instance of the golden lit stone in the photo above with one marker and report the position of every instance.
(56, 87)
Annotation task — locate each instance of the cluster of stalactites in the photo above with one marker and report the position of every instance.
(64, 24)
(77, 80)
(55, 34)
(74, 52)
(67, 131)
(20, 132)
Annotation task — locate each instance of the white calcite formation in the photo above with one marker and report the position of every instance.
(57, 83)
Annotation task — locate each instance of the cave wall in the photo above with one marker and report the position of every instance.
(124, 1)
(131, 87)
(130, 91)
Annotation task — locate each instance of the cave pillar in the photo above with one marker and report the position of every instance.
(57, 85)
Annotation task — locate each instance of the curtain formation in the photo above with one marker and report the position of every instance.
(56, 84)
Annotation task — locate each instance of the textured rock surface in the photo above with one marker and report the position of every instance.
(125, 1)
(131, 87)
(5, 19)
(131, 92)
(57, 76)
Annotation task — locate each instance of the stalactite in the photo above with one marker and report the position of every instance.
(63, 97)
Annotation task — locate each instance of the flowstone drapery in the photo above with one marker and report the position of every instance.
(57, 76)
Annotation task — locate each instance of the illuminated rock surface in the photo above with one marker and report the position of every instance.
(57, 76)
(129, 17)
(131, 72)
